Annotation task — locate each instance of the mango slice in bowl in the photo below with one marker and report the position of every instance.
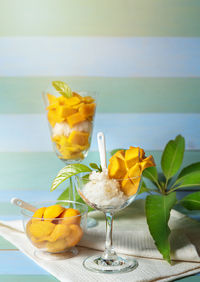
(56, 228)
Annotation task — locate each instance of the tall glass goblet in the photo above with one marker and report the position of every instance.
(101, 194)
(71, 125)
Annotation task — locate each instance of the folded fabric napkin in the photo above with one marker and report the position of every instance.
(131, 237)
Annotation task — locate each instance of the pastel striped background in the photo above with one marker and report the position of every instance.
(141, 56)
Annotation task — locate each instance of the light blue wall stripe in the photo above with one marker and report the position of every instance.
(100, 56)
(30, 133)
(18, 263)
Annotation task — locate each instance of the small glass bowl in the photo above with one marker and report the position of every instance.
(55, 238)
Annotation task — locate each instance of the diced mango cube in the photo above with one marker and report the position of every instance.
(87, 110)
(74, 119)
(51, 98)
(65, 111)
(88, 99)
(78, 138)
(73, 101)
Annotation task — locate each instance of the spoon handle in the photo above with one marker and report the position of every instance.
(18, 202)
(102, 149)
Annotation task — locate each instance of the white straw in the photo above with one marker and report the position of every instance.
(102, 149)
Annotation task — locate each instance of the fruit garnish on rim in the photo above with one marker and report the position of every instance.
(70, 116)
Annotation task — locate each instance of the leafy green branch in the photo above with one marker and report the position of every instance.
(158, 207)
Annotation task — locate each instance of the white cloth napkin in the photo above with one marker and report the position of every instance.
(131, 237)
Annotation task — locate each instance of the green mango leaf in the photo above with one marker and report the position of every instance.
(95, 166)
(191, 168)
(62, 88)
(158, 209)
(66, 196)
(189, 180)
(151, 173)
(172, 156)
(67, 172)
(144, 188)
(115, 151)
(191, 201)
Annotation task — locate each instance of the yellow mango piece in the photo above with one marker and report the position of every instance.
(41, 229)
(78, 138)
(120, 154)
(61, 101)
(147, 162)
(57, 246)
(53, 117)
(74, 100)
(77, 95)
(51, 98)
(60, 231)
(53, 211)
(87, 110)
(70, 216)
(74, 119)
(88, 99)
(131, 157)
(65, 111)
(135, 170)
(38, 214)
(56, 139)
(116, 168)
(64, 141)
(75, 236)
(128, 186)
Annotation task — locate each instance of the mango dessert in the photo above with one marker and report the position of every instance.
(55, 228)
(71, 119)
(112, 187)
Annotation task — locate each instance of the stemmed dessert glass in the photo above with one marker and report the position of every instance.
(68, 156)
(109, 261)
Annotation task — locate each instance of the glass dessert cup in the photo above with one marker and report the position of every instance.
(110, 201)
(70, 132)
(71, 142)
(55, 238)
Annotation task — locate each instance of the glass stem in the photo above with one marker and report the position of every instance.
(109, 253)
(72, 196)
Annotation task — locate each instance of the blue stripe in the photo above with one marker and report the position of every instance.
(15, 262)
(100, 56)
(30, 133)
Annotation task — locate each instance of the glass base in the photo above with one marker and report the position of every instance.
(98, 264)
(56, 256)
(91, 222)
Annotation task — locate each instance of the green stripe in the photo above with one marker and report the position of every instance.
(99, 18)
(20, 171)
(116, 95)
(27, 278)
(5, 245)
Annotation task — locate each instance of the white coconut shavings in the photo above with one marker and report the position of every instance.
(102, 191)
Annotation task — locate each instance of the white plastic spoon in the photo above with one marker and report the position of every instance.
(18, 202)
(102, 149)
